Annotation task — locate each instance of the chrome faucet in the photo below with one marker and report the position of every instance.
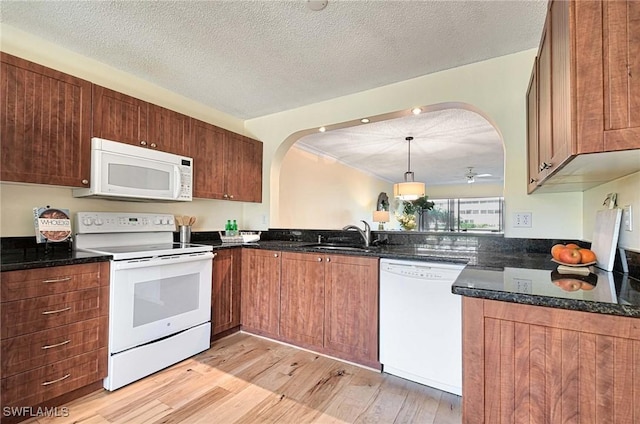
(366, 234)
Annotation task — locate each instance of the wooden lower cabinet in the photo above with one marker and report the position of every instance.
(260, 293)
(225, 291)
(531, 364)
(302, 299)
(53, 342)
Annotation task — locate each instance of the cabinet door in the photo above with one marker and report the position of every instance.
(208, 148)
(169, 131)
(45, 122)
(260, 292)
(119, 117)
(544, 102)
(243, 168)
(351, 308)
(622, 69)
(562, 140)
(302, 299)
(532, 130)
(225, 291)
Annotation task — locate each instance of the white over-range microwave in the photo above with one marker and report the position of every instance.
(127, 172)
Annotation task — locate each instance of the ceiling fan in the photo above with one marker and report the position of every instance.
(471, 176)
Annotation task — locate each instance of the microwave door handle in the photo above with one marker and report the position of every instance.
(177, 177)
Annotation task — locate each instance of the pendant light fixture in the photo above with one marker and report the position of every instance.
(409, 189)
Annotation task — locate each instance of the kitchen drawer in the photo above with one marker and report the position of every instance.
(47, 382)
(20, 354)
(30, 283)
(41, 313)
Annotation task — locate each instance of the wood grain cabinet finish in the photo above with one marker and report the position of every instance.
(45, 125)
(125, 119)
(54, 332)
(302, 297)
(351, 308)
(621, 70)
(531, 364)
(587, 97)
(533, 140)
(260, 292)
(228, 166)
(225, 293)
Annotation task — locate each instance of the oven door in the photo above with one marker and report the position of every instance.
(152, 298)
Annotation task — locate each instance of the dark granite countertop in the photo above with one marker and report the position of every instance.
(511, 277)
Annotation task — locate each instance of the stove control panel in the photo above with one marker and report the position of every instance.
(122, 222)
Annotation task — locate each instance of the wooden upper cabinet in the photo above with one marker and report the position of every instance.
(532, 130)
(260, 292)
(125, 119)
(209, 143)
(545, 117)
(45, 120)
(243, 178)
(621, 70)
(169, 131)
(227, 166)
(119, 117)
(302, 299)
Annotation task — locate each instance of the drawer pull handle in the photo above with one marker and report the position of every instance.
(57, 280)
(56, 345)
(56, 311)
(46, 383)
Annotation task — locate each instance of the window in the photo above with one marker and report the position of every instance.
(464, 215)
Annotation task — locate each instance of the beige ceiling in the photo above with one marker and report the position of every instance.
(253, 58)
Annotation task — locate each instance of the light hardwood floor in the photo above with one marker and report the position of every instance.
(247, 379)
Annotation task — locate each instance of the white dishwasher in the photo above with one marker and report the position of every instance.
(421, 323)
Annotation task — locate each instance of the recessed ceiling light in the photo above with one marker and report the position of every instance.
(365, 120)
(322, 129)
(416, 111)
(317, 5)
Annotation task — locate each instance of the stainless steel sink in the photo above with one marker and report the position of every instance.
(340, 247)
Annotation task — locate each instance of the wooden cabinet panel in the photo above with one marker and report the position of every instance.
(225, 293)
(533, 364)
(244, 164)
(169, 131)
(351, 308)
(37, 385)
(119, 117)
(26, 284)
(209, 143)
(532, 130)
(621, 70)
(260, 293)
(32, 350)
(562, 141)
(545, 130)
(302, 299)
(45, 124)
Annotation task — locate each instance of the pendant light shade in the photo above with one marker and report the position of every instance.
(409, 189)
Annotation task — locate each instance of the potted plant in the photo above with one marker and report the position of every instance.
(412, 212)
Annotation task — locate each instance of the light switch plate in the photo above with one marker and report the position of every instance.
(627, 218)
(522, 220)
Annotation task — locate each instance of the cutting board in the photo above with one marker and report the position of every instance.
(605, 237)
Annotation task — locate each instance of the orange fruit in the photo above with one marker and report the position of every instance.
(572, 246)
(555, 250)
(587, 255)
(587, 286)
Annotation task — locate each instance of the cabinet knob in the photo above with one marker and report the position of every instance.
(226, 196)
(532, 180)
(143, 143)
(275, 255)
(154, 145)
(319, 259)
(85, 182)
(328, 259)
(545, 165)
(231, 196)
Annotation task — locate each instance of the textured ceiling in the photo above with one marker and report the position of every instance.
(253, 58)
(445, 144)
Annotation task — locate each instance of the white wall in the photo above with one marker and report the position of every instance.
(495, 87)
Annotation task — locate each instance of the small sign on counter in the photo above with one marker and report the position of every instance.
(51, 224)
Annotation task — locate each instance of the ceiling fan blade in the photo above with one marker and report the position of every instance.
(483, 175)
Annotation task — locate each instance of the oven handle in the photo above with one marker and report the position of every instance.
(162, 260)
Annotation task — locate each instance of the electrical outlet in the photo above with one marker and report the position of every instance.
(522, 219)
(523, 285)
(627, 218)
